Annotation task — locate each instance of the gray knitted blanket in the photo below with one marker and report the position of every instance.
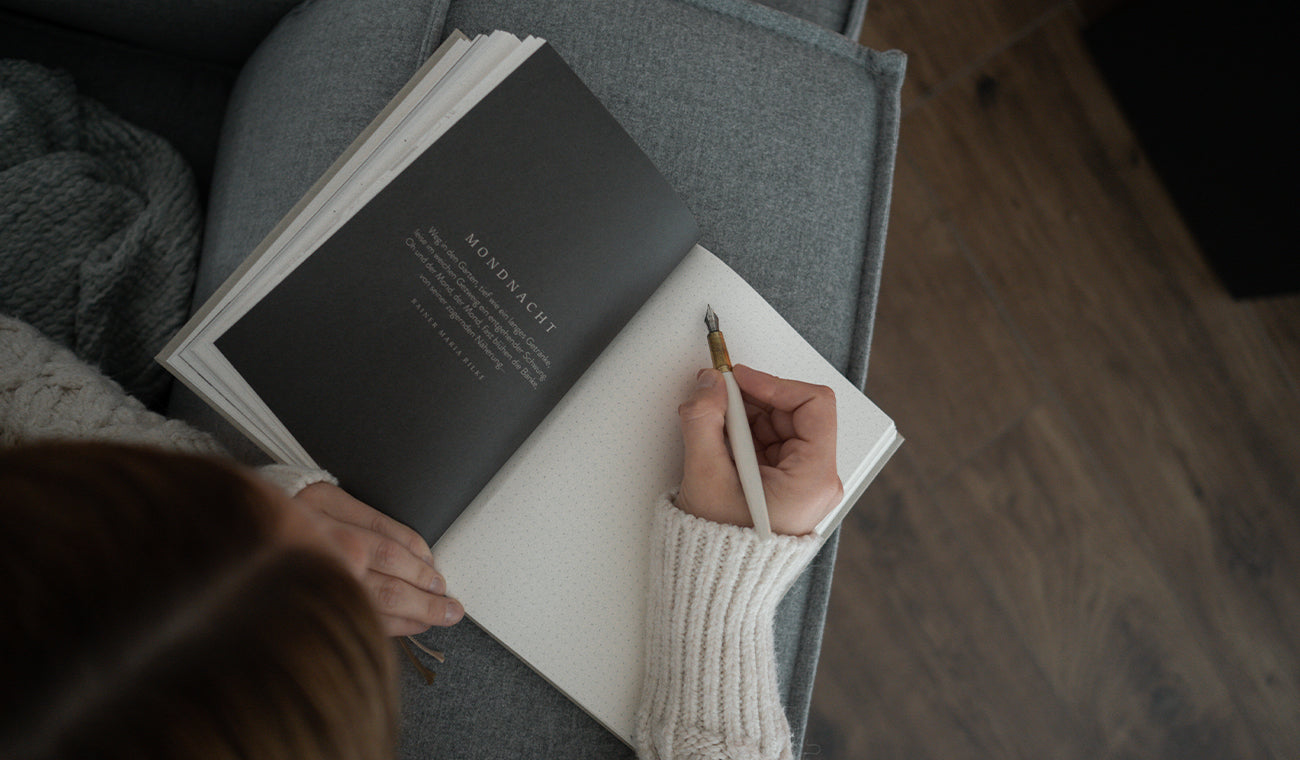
(99, 228)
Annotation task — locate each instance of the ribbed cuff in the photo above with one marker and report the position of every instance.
(710, 686)
(294, 479)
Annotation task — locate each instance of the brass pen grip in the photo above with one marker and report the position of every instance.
(718, 350)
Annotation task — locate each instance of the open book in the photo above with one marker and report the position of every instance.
(482, 320)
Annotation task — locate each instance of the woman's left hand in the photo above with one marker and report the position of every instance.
(390, 559)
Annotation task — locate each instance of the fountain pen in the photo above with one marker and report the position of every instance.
(738, 432)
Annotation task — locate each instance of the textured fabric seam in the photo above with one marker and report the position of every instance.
(884, 159)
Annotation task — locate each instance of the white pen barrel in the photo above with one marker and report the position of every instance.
(742, 449)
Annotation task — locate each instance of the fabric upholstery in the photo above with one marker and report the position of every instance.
(843, 16)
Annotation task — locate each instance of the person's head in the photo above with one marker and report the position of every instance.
(155, 606)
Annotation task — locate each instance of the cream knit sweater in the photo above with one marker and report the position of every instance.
(710, 689)
(47, 393)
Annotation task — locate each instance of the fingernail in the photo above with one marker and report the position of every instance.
(705, 379)
(438, 585)
(454, 612)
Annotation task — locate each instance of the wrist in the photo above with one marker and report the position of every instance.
(292, 479)
(714, 594)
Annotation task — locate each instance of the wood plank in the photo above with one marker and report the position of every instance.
(1280, 316)
(943, 40)
(1097, 615)
(944, 363)
(918, 659)
(1174, 388)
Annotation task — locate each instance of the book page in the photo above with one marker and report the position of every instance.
(450, 83)
(425, 338)
(569, 516)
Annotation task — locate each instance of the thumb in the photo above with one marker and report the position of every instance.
(702, 419)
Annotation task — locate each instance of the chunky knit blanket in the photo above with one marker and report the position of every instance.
(99, 228)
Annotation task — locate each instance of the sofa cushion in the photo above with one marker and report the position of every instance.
(843, 16)
(780, 134)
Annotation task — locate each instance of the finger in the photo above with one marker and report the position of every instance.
(366, 551)
(778, 393)
(343, 507)
(710, 485)
(397, 600)
(783, 423)
(799, 409)
(395, 626)
(760, 426)
(702, 418)
(389, 557)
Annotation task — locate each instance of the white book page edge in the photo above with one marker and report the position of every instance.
(450, 85)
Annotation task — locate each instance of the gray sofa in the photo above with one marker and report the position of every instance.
(777, 129)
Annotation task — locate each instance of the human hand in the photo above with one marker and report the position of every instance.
(390, 559)
(793, 425)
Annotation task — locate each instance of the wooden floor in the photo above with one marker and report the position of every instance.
(1089, 547)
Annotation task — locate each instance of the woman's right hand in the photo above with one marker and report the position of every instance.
(794, 428)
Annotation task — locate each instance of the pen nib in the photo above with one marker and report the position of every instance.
(711, 320)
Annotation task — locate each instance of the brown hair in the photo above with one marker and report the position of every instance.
(148, 610)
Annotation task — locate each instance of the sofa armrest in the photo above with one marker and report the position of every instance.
(221, 31)
(842, 16)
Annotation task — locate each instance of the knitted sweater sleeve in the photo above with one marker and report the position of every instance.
(710, 689)
(47, 393)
